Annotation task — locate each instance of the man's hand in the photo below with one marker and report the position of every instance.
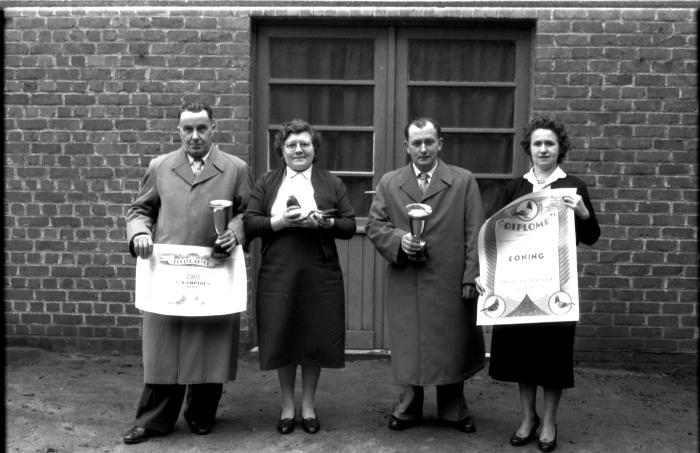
(227, 241)
(410, 245)
(468, 291)
(143, 246)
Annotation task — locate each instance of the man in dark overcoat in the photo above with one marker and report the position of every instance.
(431, 304)
(188, 357)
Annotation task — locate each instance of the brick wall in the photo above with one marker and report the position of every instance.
(90, 95)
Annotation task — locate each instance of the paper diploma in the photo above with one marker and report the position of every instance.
(184, 280)
(527, 257)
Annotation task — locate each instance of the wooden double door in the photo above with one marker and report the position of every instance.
(359, 85)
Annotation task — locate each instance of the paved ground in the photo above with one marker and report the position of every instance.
(83, 403)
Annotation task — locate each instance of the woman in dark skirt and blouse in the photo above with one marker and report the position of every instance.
(542, 354)
(298, 211)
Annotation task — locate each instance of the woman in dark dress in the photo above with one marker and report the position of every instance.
(542, 354)
(298, 211)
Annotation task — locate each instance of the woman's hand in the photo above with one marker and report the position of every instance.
(575, 202)
(318, 220)
(479, 287)
(292, 217)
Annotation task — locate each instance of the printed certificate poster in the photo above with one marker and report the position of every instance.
(184, 280)
(527, 257)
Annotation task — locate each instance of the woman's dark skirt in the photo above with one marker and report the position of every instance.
(539, 354)
(300, 303)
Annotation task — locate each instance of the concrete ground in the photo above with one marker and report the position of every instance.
(74, 402)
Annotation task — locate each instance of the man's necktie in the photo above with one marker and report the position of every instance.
(423, 182)
(197, 165)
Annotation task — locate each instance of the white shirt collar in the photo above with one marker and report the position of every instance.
(289, 173)
(558, 173)
(429, 173)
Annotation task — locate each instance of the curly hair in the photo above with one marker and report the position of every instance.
(297, 126)
(551, 123)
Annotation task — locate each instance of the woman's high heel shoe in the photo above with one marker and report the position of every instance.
(286, 425)
(547, 446)
(518, 441)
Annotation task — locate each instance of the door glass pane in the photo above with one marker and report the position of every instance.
(480, 153)
(322, 58)
(322, 104)
(347, 151)
(486, 107)
(461, 61)
(340, 151)
(356, 187)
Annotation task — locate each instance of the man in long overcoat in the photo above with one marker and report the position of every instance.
(195, 355)
(431, 304)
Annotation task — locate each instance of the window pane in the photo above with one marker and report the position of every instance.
(340, 151)
(356, 187)
(479, 153)
(346, 151)
(322, 58)
(319, 104)
(463, 107)
(461, 61)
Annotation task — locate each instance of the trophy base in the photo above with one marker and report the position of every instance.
(419, 256)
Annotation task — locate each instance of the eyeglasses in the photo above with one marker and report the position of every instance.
(292, 146)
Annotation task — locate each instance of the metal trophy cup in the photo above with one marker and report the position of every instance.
(418, 214)
(222, 211)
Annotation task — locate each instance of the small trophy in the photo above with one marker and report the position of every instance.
(222, 211)
(418, 214)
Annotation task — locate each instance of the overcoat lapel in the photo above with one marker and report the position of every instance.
(441, 180)
(409, 184)
(181, 167)
(212, 167)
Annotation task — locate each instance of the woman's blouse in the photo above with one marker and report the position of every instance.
(297, 183)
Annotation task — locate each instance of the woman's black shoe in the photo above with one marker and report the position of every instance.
(310, 425)
(547, 446)
(285, 425)
(518, 441)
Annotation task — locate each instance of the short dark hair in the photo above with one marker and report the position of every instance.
(420, 123)
(297, 126)
(196, 107)
(551, 123)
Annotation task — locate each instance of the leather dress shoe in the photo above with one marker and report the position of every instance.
(139, 434)
(285, 425)
(310, 425)
(518, 441)
(547, 446)
(399, 425)
(466, 424)
(199, 428)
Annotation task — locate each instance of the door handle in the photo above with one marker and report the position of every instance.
(370, 192)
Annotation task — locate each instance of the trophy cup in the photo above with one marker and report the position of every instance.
(221, 210)
(418, 214)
